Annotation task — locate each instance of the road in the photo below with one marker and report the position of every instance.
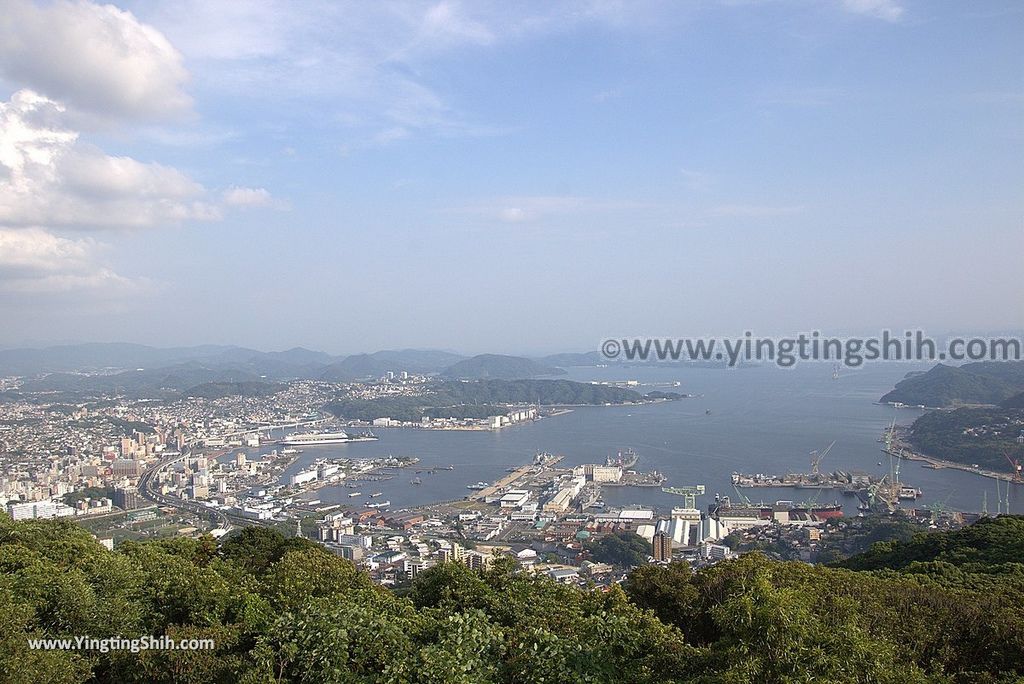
(147, 490)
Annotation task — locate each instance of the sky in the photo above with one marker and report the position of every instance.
(507, 177)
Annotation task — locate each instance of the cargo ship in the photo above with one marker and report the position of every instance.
(784, 511)
(318, 438)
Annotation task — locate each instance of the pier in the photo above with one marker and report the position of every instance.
(515, 475)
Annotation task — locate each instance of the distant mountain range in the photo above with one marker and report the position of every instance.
(986, 382)
(135, 369)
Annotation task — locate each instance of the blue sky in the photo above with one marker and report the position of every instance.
(530, 178)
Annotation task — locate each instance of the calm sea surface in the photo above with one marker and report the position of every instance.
(762, 419)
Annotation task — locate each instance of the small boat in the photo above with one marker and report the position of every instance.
(376, 494)
(416, 481)
(351, 494)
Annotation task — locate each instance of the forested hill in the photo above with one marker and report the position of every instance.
(990, 545)
(286, 610)
(990, 382)
(482, 398)
(983, 436)
(1014, 402)
(500, 367)
(218, 390)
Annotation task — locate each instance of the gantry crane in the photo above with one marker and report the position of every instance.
(689, 494)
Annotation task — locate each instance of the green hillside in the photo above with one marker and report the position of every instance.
(973, 383)
(983, 436)
(482, 398)
(497, 366)
(944, 608)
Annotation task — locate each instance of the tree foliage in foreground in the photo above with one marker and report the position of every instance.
(622, 549)
(287, 610)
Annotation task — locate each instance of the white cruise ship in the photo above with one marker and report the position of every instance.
(315, 438)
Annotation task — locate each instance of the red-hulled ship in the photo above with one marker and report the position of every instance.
(724, 508)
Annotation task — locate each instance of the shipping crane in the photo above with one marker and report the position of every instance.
(817, 457)
(899, 467)
(1015, 465)
(889, 434)
(742, 496)
(689, 494)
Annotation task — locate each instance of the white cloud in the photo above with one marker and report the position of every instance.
(52, 182)
(886, 10)
(514, 214)
(694, 180)
(446, 23)
(608, 94)
(48, 177)
(390, 135)
(33, 261)
(251, 197)
(373, 61)
(528, 209)
(97, 58)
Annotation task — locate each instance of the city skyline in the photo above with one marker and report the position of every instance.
(518, 180)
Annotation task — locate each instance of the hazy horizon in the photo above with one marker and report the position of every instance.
(512, 179)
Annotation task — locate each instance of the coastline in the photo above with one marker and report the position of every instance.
(907, 453)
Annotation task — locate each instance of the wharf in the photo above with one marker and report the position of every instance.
(512, 477)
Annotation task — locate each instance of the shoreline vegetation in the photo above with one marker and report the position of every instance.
(984, 383)
(900, 446)
(974, 418)
(478, 399)
(971, 439)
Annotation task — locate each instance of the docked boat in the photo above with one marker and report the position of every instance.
(723, 508)
(909, 493)
(625, 459)
(318, 438)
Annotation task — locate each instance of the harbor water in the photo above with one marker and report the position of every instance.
(752, 420)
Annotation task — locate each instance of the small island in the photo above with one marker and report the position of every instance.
(479, 399)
